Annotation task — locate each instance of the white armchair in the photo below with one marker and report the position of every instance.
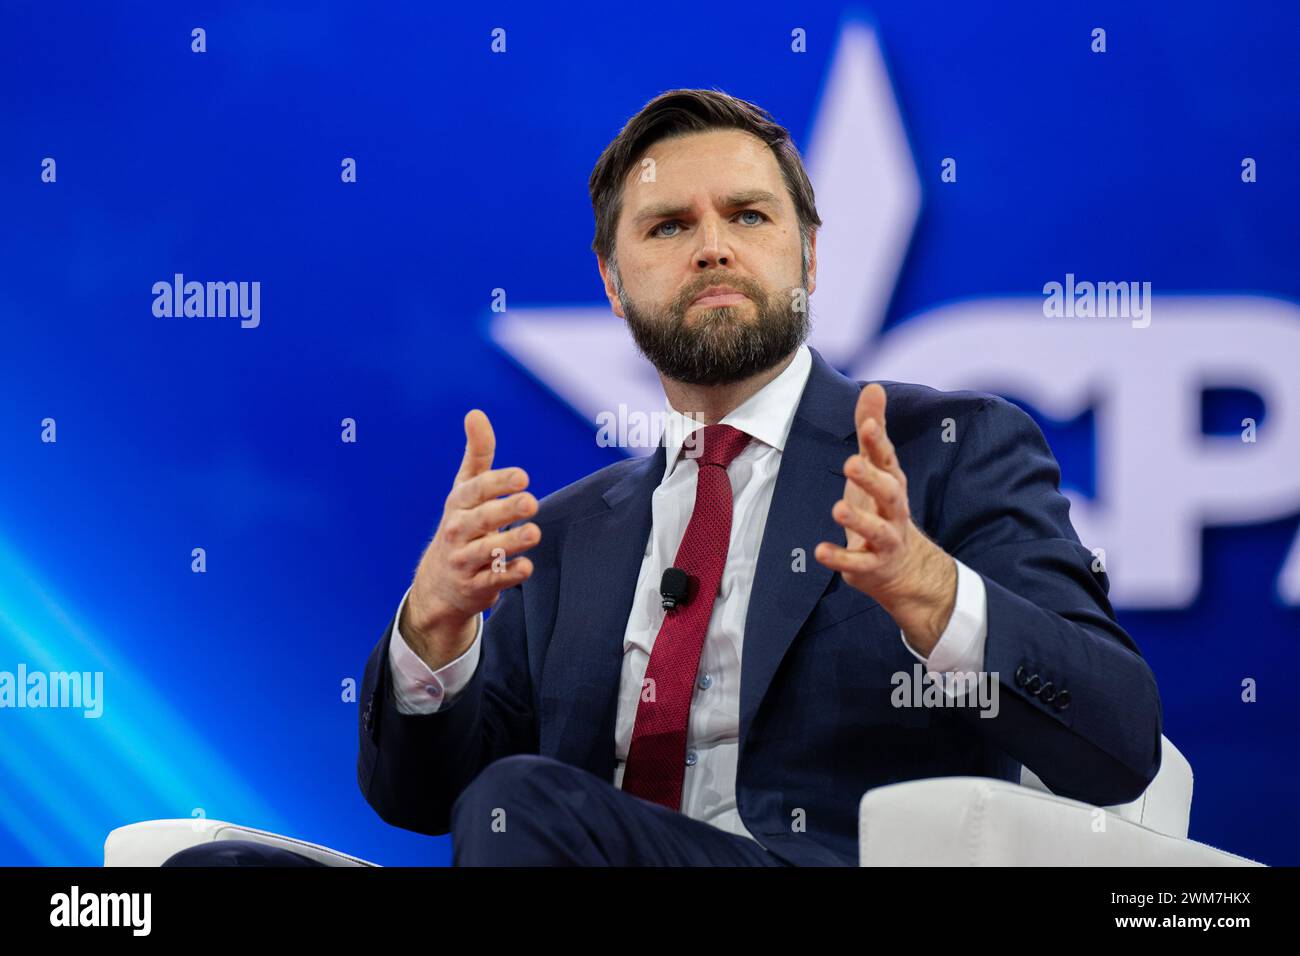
(979, 821)
(153, 841)
(940, 821)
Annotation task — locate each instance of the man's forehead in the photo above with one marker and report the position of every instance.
(709, 142)
(722, 152)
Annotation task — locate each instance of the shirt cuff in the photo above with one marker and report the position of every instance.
(418, 688)
(961, 645)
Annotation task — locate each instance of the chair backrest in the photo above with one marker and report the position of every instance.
(1165, 806)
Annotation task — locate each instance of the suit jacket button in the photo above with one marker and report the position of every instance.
(1048, 692)
(1020, 676)
(1062, 700)
(1033, 685)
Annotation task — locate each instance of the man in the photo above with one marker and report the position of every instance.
(831, 537)
(584, 723)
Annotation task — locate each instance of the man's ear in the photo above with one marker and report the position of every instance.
(614, 302)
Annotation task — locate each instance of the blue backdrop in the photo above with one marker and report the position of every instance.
(225, 692)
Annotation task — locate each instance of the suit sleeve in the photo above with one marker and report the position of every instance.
(412, 767)
(1078, 704)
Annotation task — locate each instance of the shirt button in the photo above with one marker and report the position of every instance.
(706, 682)
(433, 690)
(691, 757)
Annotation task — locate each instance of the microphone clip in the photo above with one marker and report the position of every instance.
(675, 588)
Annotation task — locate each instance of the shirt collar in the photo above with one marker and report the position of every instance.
(765, 415)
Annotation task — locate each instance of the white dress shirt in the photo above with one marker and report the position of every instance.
(712, 739)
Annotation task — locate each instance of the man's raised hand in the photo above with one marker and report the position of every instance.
(467, 564)
(885, 555)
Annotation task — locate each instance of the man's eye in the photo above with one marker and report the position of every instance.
(656, 231)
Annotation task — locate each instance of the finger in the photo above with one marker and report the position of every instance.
(847, 560)
(871, 406)
(512, 573)
(882, 488)
(471, 558)
(876, 533)
(491, 515)
(856, 495)
(484, 487)
(880, 449)
(480, 446)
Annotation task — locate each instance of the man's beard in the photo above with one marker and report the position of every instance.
(719, 345)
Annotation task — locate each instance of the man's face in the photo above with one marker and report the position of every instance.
(715, 213)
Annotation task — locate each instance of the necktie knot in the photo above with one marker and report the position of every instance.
(720, 444)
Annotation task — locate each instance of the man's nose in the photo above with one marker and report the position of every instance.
(714, 248)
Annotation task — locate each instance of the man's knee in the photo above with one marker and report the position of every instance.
(518, 810)
(237, 853)
(519, 778)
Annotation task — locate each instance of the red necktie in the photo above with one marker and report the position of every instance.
(656, 759)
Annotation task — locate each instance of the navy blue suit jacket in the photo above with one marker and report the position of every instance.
(817, 729)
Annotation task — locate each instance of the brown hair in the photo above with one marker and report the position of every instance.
(677, 113)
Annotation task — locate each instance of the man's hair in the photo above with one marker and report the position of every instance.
(677, 113)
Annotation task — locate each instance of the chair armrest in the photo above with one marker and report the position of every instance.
(980, 821)
(153, 841)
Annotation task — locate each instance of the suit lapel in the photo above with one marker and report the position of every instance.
(600, 564)
(809, 481)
